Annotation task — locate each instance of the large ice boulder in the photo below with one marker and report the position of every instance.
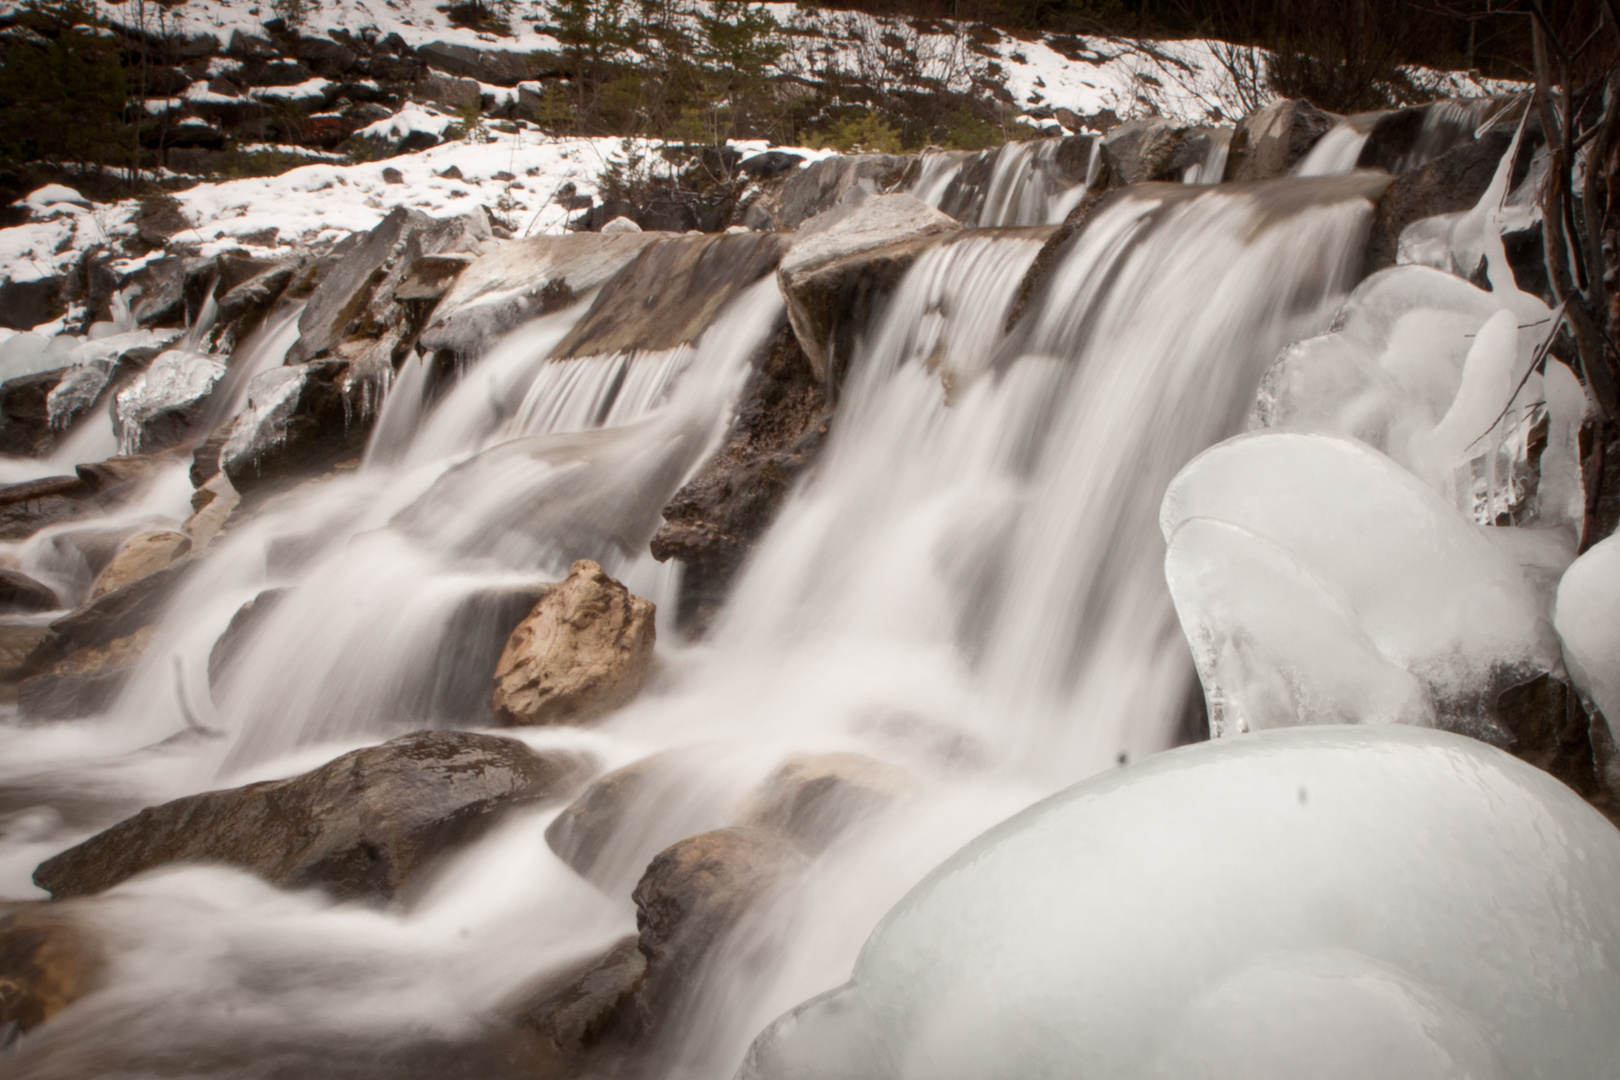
(1588, 622)
(1345, 902)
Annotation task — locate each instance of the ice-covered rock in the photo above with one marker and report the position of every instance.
(1426, 587)
(23, 354)
(1588, 621)
(165, 403)
(1262, 908)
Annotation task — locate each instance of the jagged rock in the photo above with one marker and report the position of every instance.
(811, 800)
(19, 592)
(671, 292)
(250, 47)
(325, 57)
(298, 419)
(25, 416)
(620, 226)
(842, 262)
(170, 290)
(826, 184)
(1273, 139)
(248, 618)
(114, 615)
(167, 404)
(496, 66)
(521, 280)
(1551, 731)
(26, 304)
(1146, 149)
(246, 302)
(1450, 183)
(364, 825)
(583, 651)
(691, 895)
(48, 960)
(141, 555)
(84, 683)
(715, 519)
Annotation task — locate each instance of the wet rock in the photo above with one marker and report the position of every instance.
(170, 290)
(671, 292)
(140, 556)
(717, 517)
(365, 825)
(1145, 149)
(28, 507)
(521, 280)
(692, 894)
(843, 262)
(811, 800)
(592, 1006)
(48, 960)
(770, 163)
(19, 592)
(25, 415)
(86, 682)
(248, 618)
(298, 419)
(496, 66)
(167, 404)
(1270, 141)
(1551, 731)
(160, 219)
(580, 836)
(1451, 183)
(26, 304)
(825, 184)
(117, 614)
(18, 640)
(583, 651)
(247, 301)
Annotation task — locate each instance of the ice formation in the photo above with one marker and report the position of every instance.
(1259, 908)
(178, 380)
(1588, 621)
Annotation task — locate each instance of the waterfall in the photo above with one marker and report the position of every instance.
(1016, 184)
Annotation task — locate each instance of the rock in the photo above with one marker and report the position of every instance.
(248, 618)
(1551, 730)
(85, 683)
(140, 556)
(692, 894)
(717, 517)
(1450, 183)
(167, 404)
(811, 800)
(1058, 163)
(620, 226)
(828, 183)
(298, 419)
(1145, 149)
(250, 47)
(522, 280)
(247, 302)
(117, 614)
(770, 163)
(17, 642)
(583, 651)
(593, 1005)
(392, 175)
(28, 507)
(19, 592)
(365, 825)
(842, 262)
(25, 416)
(27, 304)
(1403, 139)
(671, 292)
(1270, 141)
(452, 91)
(48, 960)
(160, 219)
(170, 290)
(495, 66)
(325, 57)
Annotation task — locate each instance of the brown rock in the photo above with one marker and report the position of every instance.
(1145, 149)
(19, 592)
(363, 825)
(1551, 730)
(591, 1006)
(140, 556)
(582, 652)
(25, 420)
(1272, 140)
(85, 682)
(813, 799)
(17, 642)
(48, 960)
(1452, 182)
(248, 618)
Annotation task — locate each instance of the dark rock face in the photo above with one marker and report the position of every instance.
(593, 1006)
(1551, 730)
(1450, 183)
(300, 419)
(495, 66)
(25, 415)
(715, 520)
(28, 507)
(47, 961)
(1147, 149)
(248, 618)
(1271, 141)
(19, 592)
(85, 682)
(362, 826)
(26, 304)
(671, 292)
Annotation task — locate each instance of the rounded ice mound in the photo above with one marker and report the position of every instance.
(1588, 622)
(1334, 902)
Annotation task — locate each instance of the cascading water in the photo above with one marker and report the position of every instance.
(969, 588)
(1018, 184)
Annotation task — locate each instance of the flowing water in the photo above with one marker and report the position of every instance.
(969, 587)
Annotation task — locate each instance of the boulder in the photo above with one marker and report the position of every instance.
(496, 66)
(18, 640)
(1451, 183)
(48, 960)
(85, 682)
(26, 304)
(248, 618)
(811, 800)
(671, 292)
(717, 517)
(1553, 731)
(246, 302)
(1270, 141)
(167, 404)
(19, 593)
(160, 219)
(140, 556)
(583, 651)
(591, 1006)
(365, 825)
(452, 91)
(842, 262)
(25, 416)
(521, 280)
(1145, 149)
(770, 163)
(299, 418)
(825, 184)
(168, 291)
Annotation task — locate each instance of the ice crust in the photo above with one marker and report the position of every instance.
(1365, 553)
(177, 380)
(1260, 908)
(1588, 622)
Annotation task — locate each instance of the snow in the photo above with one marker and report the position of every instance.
(42, 201)
(1426, 586)
(309, 90)
(1588, 621)
(410, 118)
(1341, 902)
